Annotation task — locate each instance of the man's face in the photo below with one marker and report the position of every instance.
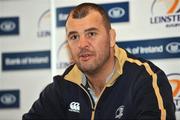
(89, 42)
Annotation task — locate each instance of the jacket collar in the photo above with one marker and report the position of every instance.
(76, 76)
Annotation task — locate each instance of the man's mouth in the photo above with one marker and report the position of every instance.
(85, 57)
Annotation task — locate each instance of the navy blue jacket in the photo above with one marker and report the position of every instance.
(138, 90)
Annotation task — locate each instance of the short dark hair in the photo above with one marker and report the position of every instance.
(83, 10)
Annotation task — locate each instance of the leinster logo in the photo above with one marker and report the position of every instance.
(165, 12)
(174, 79)
(44, 24)
(165, 7)
(119, 112)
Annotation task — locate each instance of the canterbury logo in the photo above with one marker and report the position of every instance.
(74, 107)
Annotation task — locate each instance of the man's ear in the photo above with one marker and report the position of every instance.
(69, 53)
(112, 37)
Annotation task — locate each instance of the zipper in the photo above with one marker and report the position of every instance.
(90, 98)
(91, 101)
(93, 105)
(93, 112)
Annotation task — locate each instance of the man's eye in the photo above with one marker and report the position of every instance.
(73, 37)
(91, 34)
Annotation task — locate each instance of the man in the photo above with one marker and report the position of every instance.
(105, 82)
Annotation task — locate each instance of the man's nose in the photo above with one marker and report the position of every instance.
(83, 42)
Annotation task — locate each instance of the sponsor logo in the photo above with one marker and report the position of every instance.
(165, 12)
(74, 107)
(153, 48)
(116, 12)
(9, 25)
(8, 99)
(174, 79)
(119, 112)
(62, 16)
(146, 49)
(26, 60)
(44, 25)
(173, 47)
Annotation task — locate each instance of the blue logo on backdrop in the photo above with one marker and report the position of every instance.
(25, 60)
(9, 99)
(154, 48)
(9, 25)
(118, 12)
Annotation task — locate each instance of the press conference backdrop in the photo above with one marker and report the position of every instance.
(145, 28)
(24, 54)
(31, 53)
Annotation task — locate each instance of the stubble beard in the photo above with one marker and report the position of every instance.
(94, 66)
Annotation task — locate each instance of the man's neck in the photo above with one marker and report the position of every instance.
(98, 80)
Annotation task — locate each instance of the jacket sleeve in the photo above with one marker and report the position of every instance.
(49, 106)
(153, 97)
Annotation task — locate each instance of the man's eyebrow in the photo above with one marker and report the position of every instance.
(75, 32)
(91, 29)
(71, 32)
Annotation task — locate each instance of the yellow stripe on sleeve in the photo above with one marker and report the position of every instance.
(154, 84)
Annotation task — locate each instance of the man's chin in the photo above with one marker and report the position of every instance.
(86, 69)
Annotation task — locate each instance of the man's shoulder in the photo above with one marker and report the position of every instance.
(139, 61)
(58, 78)
(60, 81)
